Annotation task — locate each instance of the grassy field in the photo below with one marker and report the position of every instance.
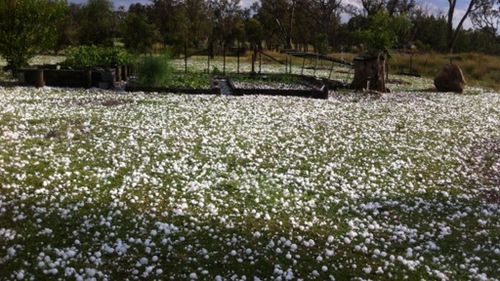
(115, 186)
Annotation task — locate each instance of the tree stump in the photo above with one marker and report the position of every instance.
(369, 73)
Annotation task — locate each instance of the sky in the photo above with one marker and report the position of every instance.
(436, 6)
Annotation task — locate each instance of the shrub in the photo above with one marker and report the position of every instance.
(91, 56)
(155, 70)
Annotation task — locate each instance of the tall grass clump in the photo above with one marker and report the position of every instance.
(155, 70)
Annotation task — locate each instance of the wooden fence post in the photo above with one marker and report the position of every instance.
(331, 70)
(238, 54)
(290, 67)
(208, 61)
(185, 58)
(286, 64)
(87, 75)
(224, 58)
(260, 62)
(118, 74)
(39, 82)
(316, 64)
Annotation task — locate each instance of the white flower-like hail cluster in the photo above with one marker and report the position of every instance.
(97, 185)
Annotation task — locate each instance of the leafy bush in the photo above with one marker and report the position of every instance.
(155, 70)
(91, 56)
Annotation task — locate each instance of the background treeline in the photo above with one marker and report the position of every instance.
(308, 25)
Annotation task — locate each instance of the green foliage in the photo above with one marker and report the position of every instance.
(91, 56)
(139, 35)
(28, 28)
(155, 70)
(381, 34)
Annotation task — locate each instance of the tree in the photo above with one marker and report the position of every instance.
(27, 28)
(453, 33)
(138, 34)
(392, 7)
(487, 16)
(162, 13)
(324, 15)
(430, 32)
(67, 28)
(198, 25)
(254, 32)
(97, 22)
(278, 17)
(225, 16)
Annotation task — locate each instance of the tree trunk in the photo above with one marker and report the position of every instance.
(453, 33)
(369, 73)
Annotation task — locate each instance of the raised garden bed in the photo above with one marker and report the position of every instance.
(198, 81)
(264, 82)
(276, 85)
(183, 83)
(159, 89)
(265, 86)
(57, 76)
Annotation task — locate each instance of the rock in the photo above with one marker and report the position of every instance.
(450, 79)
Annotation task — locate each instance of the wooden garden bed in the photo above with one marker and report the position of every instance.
(55, 76)
(313, 92)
